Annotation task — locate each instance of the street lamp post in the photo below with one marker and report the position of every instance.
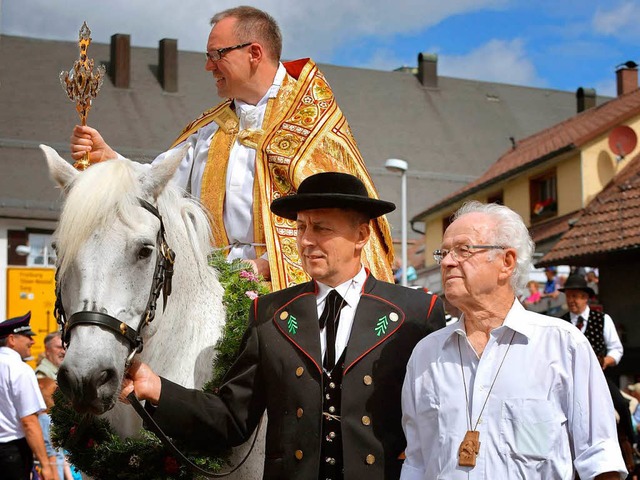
(400, 166)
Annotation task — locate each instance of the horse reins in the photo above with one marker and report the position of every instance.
(162, 276)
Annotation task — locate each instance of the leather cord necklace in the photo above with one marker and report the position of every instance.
(470, 446)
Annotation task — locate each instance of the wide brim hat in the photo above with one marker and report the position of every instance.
(577, 282)
(330, 190)
(17, 326)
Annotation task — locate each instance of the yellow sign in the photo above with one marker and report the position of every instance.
(34, 290)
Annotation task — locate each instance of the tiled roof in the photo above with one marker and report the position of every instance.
(611, 222)
(449, 134)
(552, 228)
(564, 136)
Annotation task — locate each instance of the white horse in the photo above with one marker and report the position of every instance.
(107, 248)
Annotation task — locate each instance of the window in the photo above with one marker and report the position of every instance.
(30, 248)
(446, 221)
(544, 196)
(496, 197)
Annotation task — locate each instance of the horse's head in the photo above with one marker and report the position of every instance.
(107, 245)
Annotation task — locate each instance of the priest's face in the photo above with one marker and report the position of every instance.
(233, 71)
(330, 241)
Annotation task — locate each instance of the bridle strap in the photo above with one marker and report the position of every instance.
(107, 321)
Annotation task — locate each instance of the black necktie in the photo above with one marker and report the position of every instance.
(580, 322)
(330, 318)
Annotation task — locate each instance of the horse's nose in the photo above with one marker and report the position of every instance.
(93, 392)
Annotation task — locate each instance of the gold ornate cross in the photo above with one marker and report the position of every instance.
(82, 84)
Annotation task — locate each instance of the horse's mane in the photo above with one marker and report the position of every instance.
(110, 190)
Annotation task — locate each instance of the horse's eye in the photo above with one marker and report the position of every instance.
(145, 252)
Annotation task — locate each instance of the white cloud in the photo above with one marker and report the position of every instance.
(310, 28)
(620, 21)
(495, 61)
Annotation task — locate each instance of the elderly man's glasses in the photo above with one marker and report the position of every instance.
(462, 252)
(218, 53)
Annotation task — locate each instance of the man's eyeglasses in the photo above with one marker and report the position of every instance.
(218, 53)
(462, 252)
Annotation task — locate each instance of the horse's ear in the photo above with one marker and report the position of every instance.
(161, 172)
(60, 170)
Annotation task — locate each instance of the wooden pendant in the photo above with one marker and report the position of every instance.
(469, 449)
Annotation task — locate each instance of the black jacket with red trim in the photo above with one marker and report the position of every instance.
(279, 369)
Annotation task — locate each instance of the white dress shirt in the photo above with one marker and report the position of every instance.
(611, 339)
(238, 202)
(350, 291)
(548, 411)
(19, 394)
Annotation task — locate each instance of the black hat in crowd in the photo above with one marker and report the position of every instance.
(17, 325)
(577, 282)
(330, 190)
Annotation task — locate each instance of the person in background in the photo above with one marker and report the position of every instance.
(47, 369)
(325, 358)
(20, 404)
(53, 356)
(550, 289)
(504, 393)
(534, 294)
(603, 337)
(280, 124)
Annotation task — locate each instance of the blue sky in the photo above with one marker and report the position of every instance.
(558, 44)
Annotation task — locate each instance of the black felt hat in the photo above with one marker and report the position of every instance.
(330, 190)
(577, 282)
(17, 325)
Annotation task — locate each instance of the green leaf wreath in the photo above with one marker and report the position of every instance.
(95, 449)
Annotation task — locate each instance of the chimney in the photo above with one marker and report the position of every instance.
(119, 66)
(627, 77)
(586, 98)
(428, 69)
(168, 64)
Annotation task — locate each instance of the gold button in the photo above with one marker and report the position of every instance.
(370, 459)
(332, 409)
(367, 380)
(393, 316)
(299, 454)
(366, 420)
(299, 412)
(299, 371)
(284, 315)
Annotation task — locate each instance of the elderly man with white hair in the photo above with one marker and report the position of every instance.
(504, 393)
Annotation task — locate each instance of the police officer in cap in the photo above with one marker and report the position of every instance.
(326, 359)
(20, 403)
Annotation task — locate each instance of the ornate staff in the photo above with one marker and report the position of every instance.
(82, 84)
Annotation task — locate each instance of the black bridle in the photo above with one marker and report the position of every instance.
(161, 283)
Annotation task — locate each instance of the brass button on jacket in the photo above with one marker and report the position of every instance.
(367, 380)
(299, 371)
(370, 459)
(299, 454)
(299, 412)
(366, 420)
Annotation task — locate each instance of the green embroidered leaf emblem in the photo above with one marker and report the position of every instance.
(382, 325)
(292, 325)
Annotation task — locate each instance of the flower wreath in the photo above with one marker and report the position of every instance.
(95, 449)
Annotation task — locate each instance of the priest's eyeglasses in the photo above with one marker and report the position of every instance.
(462, 252)
(218, 53)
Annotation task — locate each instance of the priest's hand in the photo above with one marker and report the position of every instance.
(86, 139)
